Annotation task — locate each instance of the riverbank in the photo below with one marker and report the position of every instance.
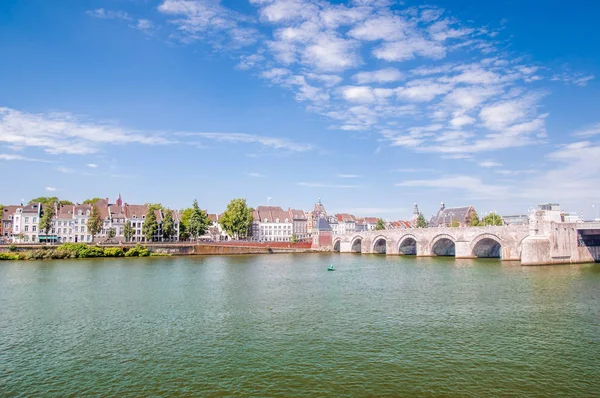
(84, 250)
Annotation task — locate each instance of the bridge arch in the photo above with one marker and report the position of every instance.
(379, 245)
(408, 245)
(337, 245)
(356, 244)
(443, 245)
(486, 245)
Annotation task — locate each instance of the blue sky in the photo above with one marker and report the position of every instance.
(371, 105)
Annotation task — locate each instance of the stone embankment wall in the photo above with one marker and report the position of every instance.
(188, 249)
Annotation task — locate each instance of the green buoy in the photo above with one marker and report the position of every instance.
(330, 268)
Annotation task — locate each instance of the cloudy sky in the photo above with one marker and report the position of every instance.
(371, 105)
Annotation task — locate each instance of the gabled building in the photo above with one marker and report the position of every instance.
(25, 223)
(6, 224)
(272, 224)
(299, 224)
(346, 223)
(447, 215)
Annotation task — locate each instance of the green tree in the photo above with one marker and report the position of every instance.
(455, 224)
(380, 225)
(294, 239)
(49, 200)
(127, 231)
(45, 224)
(421, 222)
(168, 225)
(91, 201)
(237, 219)
(150, 226)
(198, 221)
(474, 219)
(111, 233)
(493, 219)
(184, 223)
(94, 222)
(154, 206)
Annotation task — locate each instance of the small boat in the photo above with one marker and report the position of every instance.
(330, 268)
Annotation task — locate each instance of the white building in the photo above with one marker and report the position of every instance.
(25, 223)
(272, 224)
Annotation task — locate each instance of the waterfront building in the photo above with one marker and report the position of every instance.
(346, 223)
(322, 235)
(25, 223)
(313, 216)
(272, 224)
(300, 224)
(447, 215)
(333, 224)
(6, 225)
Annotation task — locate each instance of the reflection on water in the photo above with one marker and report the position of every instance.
(281, 325)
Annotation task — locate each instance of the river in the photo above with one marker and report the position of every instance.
(281, 325)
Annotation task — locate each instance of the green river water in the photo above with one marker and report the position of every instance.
(281, 325)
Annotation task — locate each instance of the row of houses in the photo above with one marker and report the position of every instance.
(20, 223)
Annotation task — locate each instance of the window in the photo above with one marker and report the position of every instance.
(76, 229)
(53, 230)
(26, 228)
(77, 221)
(59, 231)
(34, 229)
(80, 212)
(34, 220)
(82, 237)
(26, 220)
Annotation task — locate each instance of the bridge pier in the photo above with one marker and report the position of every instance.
(462, 249)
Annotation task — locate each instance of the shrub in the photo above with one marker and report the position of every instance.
(113, 252)
(79, 250)
(158, 254)
(12, 248)
(8, 256)
(137, 251)
(36, 255)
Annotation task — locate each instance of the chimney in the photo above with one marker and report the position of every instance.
(443, 206)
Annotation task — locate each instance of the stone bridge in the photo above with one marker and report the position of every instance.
(462, 242)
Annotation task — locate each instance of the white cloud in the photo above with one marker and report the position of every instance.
(423, 90)
(256, 175)
(365, 94)
(92, 165)
(108, 14)
(331, 53)
(588, 131)
(576, 79)
(13, 157)
(51, 189)
(489, 164)
(408, 49)
(207, 18)
(277, 143)
(387, 28)
(386, 75)
(348, 176)
(144, 24)
(65, 170)
(66, 133)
